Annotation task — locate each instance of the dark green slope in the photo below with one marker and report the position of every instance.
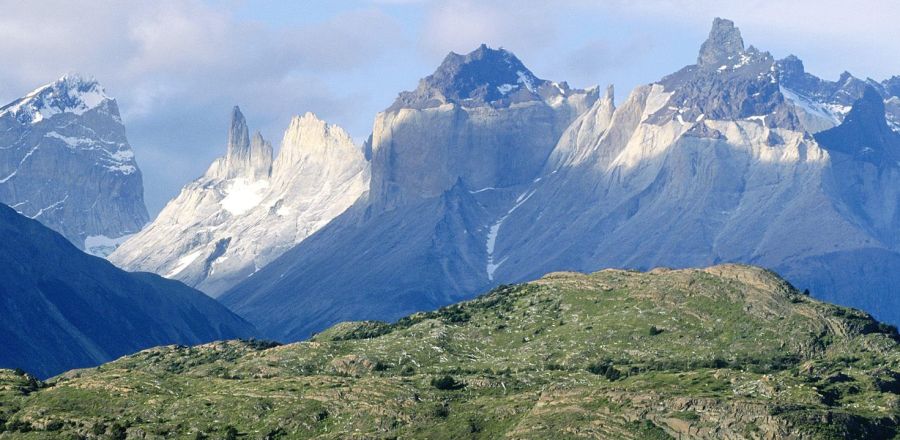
(64, 309)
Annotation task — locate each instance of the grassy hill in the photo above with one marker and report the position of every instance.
(724, 352)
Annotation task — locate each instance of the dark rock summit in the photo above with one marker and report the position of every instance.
(864, 132)
(723, 46)
(728, 82)
(484, 76)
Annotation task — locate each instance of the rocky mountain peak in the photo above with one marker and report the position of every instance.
(70, 129)
(463, 75)
(484, 75)
(792, 72)
(245, 157)
(238, 134)
(864, 132)
(248, 208)
(308, 135)
(869, 108)
(610, 94)
(723, 44)
(892, 85)
(72, 93)
(791, 65)
(259, 143)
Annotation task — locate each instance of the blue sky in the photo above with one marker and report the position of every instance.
(177, 66)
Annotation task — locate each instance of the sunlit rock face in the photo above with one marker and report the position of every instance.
(448, 159)
(482, 118)
(250, 207)
(733, 159)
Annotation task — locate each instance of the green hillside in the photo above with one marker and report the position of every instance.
(724, 352)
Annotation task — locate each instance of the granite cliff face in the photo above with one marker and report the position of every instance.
(718, 162)
(482, 118)
(447, 159)
(250, 207)
(65, 161)
(680, 176)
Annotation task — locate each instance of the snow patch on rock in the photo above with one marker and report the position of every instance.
(494, 230)
(102, 246)
(183, 263)
(242, 196)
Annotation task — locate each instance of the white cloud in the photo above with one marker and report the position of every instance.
(830, 35)
(177, 66)
(170, 61)
(461, 25)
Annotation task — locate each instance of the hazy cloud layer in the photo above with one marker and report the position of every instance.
(177, 66)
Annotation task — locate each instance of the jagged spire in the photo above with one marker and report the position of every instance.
(308, 136)
(238, 135)
(246, 158)
(724, 42)
(610, 93)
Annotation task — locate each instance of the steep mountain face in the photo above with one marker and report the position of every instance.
(662, 185)
(63, 309)
(864, 133)
(723, 352)
(482, 121)
(682, 176)
(483, 118)
(65, 161)
(714, 163)
(250, 207)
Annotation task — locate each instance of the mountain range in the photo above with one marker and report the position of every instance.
(486, 174)
(480, 179)
(66, 162)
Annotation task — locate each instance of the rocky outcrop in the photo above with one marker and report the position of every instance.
(250, 207)
(66, 162)
(723, 46)
(864, 133)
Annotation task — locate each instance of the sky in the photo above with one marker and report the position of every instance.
(176, 67)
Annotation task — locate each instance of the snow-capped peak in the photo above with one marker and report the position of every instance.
(71, 93)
